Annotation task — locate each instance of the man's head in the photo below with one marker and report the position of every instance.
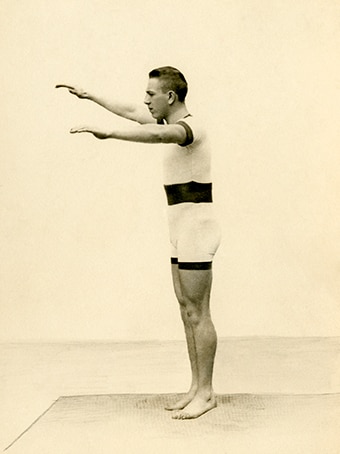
(167, 87)
(171, 80)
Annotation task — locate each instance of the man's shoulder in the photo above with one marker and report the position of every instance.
(196, 124)
(192, 121)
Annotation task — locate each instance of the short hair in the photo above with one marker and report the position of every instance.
(172, 79)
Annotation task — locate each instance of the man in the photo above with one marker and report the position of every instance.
(194, 233)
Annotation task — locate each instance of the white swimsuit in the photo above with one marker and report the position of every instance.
(194, 232)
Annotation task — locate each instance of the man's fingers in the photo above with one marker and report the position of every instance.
(74, 90)
(98, 134)
(70, 87)
(76, 130)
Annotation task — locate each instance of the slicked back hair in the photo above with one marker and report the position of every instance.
(171, 79)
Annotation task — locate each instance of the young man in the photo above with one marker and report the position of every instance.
(194, 233)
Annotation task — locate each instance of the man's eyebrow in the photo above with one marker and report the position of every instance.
(150, 92)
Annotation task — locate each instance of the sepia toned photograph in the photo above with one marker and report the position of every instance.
(170, 227)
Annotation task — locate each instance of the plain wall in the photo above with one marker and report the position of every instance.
(84, 240)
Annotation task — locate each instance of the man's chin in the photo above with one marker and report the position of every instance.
(155, 116)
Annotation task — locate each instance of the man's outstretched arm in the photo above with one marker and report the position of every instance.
(143, 133)
(122, 109)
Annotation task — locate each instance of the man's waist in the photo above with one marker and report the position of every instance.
(192, 191)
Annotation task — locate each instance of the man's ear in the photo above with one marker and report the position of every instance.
(171, 97)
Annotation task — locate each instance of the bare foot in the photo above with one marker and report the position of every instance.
(183, 402)
(197, 407)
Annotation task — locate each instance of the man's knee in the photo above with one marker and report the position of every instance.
(194, 318)
(191, 311)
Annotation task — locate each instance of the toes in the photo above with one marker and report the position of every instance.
(180, 415)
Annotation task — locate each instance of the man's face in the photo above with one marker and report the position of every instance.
(156, 100)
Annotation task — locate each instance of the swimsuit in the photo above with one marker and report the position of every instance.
(194, 232)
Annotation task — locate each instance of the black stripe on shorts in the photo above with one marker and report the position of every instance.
(191, 265)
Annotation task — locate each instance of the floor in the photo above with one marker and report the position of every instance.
(281, 392)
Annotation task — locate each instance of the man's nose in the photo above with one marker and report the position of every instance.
(147, 99)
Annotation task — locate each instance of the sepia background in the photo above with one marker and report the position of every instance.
(84, 241)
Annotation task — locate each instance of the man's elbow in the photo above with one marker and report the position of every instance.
(158, 137)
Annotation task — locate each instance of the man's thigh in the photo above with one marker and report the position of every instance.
(195, 285)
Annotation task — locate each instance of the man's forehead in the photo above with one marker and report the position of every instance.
(154, 84)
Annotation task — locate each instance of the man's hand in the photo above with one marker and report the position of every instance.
(79, 92)
(100, 134)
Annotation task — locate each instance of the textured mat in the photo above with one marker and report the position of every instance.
(244, 423)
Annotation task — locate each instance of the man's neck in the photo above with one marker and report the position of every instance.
(177, 114)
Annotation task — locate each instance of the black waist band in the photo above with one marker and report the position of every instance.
(189, 192)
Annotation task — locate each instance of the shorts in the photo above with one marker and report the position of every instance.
(194, 235)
